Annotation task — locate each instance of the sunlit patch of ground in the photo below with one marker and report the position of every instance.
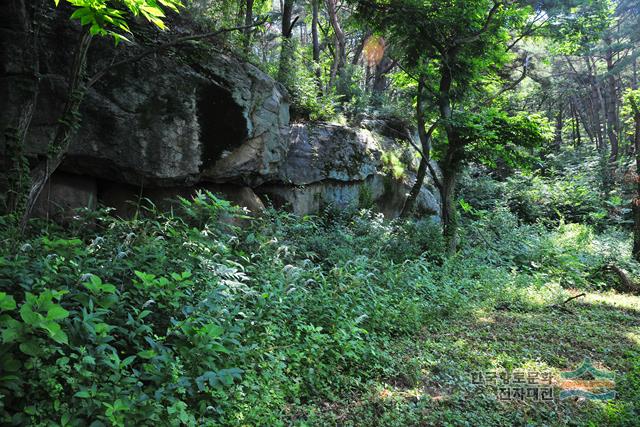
(433, 383)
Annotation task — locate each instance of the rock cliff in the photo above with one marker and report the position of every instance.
(197, 117)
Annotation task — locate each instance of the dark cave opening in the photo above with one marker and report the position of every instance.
(222, 124)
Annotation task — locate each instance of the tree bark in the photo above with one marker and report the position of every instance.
(425, 142)
(577, 137)
(611, 103)
(449, 214)
(380, 75)
(451, 161)
(315, 6)
(248, 19)
(340, 47)
(595, 106)
(557, 140)
(636, 200)
(286, 50)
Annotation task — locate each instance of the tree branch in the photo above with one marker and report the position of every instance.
(513, 84)
(475, 36)
(96, 77)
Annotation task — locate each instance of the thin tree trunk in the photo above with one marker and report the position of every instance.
(286, 50)
(557, 141)
(340, 47)
(248, 19)
(65, 130)
(577, 137)
(425, 142)
(611, 109)
(315, 6)
(596, 103)
(357, 53)
(634, 74)
(636, 201)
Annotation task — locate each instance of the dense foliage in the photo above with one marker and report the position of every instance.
(187, 319)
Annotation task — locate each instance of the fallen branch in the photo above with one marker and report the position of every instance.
(574, 297)
(562, 307)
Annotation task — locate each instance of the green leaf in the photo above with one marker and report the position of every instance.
(57, 312)
(83, 394)
(55, 332)
(30, 348)
(7, 302)
(79, 13)
(147, 354)
(11, 329)
(29, 316)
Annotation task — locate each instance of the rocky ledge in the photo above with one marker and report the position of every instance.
(170, 124)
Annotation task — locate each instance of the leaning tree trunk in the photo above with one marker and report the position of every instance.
(415, 190)
(636, 200)
(425, 142)
(340, 47)
(611, 107)
(65, 130)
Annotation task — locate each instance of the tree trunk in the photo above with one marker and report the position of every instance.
(380, 75)
(415, 190)
(450, 163)
(315, 6)
(18, 173)
(577, 137)
(425, 142)
(595, 104)
(248, 20)
(340, 47)
(286, 50)
(557, 140)
(65, 130)
(611, 106)
(636, 201)
(449, 215)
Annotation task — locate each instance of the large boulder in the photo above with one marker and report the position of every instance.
(198, 114)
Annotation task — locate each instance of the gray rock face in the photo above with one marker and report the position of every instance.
(195, 115)
(195, 118)
(320, 151)
(63, 194)
(329, 164)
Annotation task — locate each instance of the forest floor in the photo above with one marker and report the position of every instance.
(449, 368)
(318, 321)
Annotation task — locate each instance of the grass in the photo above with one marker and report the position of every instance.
(435, 381)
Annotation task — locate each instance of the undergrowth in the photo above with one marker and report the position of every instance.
(186, 319)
